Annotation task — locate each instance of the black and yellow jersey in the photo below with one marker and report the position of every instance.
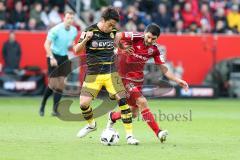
(100, 51)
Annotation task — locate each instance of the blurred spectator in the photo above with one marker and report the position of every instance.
(179, 29)
(122, 12)
(3, 15)
(220, 21)
(87, 12)
(131, 26)
(44, 16)
(54, 16)
(141, 27)
(118, 4)
(230, 3)
(220, 27)
(193, 28)
(59, 3)
(194, 6)
(132, 12)
(147, 6)
(163, 18)
(18, 17)
(233, 18)
(98, 4)
(9, 4)
(146, 19)
(30, 2)
(32, 24)
(90, 17)
(189, 17)
(86, 5)
(176, 14)
(35, 13)
(206, 19)
(11, 54)
(215, 4)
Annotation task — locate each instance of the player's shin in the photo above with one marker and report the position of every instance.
(149, 118)
(88, 115)
(126, 116)
(91, 126)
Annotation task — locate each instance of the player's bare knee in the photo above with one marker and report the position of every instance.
(120, 95)
(84, 103)
(142, 103)
(85, 100)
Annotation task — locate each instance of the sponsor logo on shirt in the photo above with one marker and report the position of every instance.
(139, 56)
(102, 44)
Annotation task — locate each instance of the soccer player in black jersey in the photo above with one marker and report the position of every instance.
(98, 41)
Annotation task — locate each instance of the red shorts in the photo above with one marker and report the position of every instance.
(134, 91)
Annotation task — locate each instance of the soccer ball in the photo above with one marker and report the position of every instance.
(109, 137)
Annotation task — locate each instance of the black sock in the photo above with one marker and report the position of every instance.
(56, 98)
(48, 92)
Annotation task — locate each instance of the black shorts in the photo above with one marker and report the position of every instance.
(63, 68)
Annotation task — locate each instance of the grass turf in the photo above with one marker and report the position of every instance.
(213, 133)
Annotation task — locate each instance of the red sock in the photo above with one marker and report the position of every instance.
(149, 118)
(115, 116)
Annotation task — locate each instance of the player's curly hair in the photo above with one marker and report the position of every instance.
(110, 13)
(154, 29)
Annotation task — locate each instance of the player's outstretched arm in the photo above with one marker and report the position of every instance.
(79, 47)
(172, 77)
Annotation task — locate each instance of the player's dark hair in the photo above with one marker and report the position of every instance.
(110, 13)
(154, 29)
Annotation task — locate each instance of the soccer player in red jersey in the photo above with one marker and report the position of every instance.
(134, 50)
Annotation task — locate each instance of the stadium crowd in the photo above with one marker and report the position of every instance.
(177, 16)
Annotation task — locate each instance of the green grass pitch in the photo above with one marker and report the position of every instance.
(212, 133)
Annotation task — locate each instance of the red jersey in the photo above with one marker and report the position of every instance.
(131, 66)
